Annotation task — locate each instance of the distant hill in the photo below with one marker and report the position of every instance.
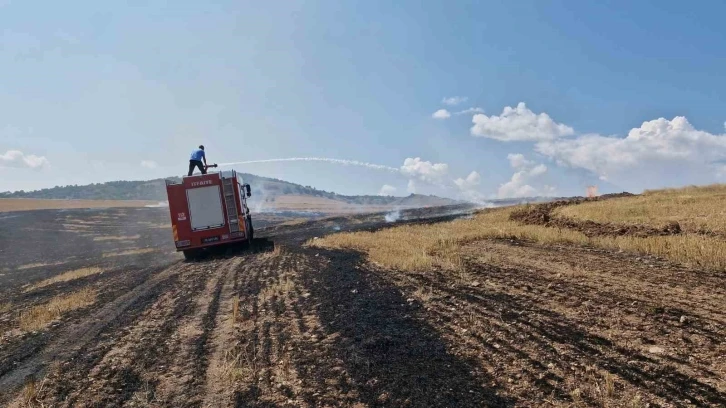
(264, 190)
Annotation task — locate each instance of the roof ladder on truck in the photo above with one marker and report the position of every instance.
(228, 186)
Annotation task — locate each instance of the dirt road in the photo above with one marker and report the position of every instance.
(287, 325)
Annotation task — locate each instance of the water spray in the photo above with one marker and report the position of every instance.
(320, 159)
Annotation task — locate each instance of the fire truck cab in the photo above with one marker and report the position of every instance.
(208, 210)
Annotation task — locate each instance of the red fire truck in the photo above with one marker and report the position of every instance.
(208, 210)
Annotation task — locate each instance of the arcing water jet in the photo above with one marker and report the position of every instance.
(320, 159)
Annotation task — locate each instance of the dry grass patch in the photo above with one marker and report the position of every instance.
(37, 317)
(78, 221)
(693, 250)
(279, 288)
(117, 238)
(27, 204)
(694, 208)
(67, 276)
(129, 252)
(236, 365)
(295, 221)
(277, 251)
(235, 309)
(76, 227)
(30, 396)
(603, 389)
(417, 247)
(159, 225)
(38, 265)
(424, 246)
(5, 307)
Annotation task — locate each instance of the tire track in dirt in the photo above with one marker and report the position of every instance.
(225, 360)
(125, 362)
(74, 339)
(124, 368)
(240, 350)
(17, 347)
(146, 352)
(181, 383)
(258, 359)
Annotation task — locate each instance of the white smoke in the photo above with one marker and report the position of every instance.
(393, 216)
(319, 159)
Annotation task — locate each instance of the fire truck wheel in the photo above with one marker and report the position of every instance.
(190, 254)
(249, 235)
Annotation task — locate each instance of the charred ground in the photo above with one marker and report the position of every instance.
(286, 324)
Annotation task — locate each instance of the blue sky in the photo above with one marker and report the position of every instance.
(91, 90)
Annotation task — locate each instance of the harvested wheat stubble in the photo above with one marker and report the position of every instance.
(38, 265)
(542, 214)
(117, 238)
(67, 276)
(29, 204)
(37, 317)
(693, 249)
(130, 252)
(696, 209)
(424, 246)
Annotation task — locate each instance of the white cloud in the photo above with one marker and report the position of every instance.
(517, 160)
(424, 170)
(470, 110)
(387, 190)
(468, 183)
(441, 114)
(538, 170)
(518, 124)
(659, 153)
(517, 187)
(520, 185)
(149, 164)
(454, 100)
(16, 158)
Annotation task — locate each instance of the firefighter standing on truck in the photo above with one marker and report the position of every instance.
(196, 161)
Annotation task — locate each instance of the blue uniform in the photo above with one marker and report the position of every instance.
(198, 155)
(196, 161)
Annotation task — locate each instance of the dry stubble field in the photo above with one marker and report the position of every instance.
(508, 307)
